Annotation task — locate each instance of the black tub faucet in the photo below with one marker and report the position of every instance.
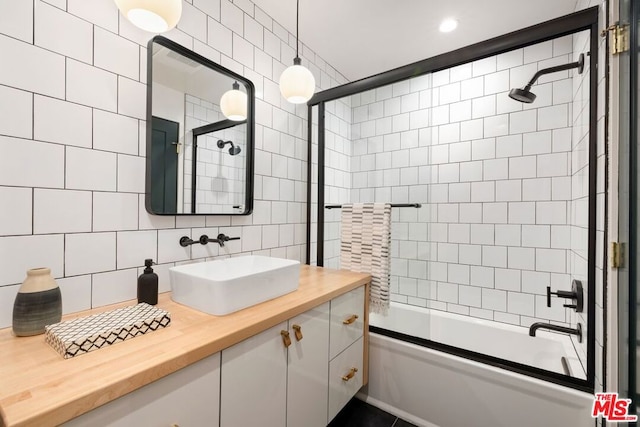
(541, 325)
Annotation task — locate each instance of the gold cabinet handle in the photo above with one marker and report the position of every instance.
(298, 332)
(350, 320)
(350, 375)
(286, 340)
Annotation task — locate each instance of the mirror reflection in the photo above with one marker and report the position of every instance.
(199, 135)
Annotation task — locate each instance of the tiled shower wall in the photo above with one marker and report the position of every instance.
(391, 138)
(338, 168)
(337, 176)
(494, 178)
(378, 131)
(72, 134)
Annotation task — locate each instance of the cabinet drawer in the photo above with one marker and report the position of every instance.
(343, 308)
(188, 397)
(341, 387)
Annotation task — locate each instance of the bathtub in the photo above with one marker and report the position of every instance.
(432, 388)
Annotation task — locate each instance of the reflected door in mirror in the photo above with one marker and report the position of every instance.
(164, 152)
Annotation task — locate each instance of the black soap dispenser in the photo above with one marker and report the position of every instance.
(148, 284)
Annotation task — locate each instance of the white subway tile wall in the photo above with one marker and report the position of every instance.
(339, 165)
(73, 89)
(17, 106)
(494, 177)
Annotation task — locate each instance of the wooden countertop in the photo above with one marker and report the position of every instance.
(40, 388)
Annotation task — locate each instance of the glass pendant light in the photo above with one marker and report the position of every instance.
(297, 84)
(234, 104)
(155, 16)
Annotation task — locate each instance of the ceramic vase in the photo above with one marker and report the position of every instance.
(37, 304)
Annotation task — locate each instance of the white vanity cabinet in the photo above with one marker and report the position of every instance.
(253, 389)
(299, 373)
(308, 369)
(347, 349)
(279, 377)
(347, 320)
(186, 398)
(345, 377)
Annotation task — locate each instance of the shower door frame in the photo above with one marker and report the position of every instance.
(584, 20)
(628, 218)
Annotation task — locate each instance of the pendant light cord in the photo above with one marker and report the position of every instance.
(297, 26)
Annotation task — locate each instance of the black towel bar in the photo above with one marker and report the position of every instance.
(393, 205)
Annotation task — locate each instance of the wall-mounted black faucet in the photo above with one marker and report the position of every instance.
(575, 294)
(541, 325)
(204, 239)
(221, 239)
(186, 241)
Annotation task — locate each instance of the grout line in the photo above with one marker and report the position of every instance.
(33, 23)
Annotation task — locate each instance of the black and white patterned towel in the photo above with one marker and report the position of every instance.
(365, 247)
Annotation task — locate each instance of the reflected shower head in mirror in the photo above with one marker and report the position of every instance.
(233, 150)
(525, 94)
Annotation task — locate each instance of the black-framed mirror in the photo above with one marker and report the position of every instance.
(200, 134)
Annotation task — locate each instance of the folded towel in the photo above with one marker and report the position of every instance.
(365, 247)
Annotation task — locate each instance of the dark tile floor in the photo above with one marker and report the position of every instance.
(360, 414)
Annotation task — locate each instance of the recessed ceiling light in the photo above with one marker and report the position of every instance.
(448, 25)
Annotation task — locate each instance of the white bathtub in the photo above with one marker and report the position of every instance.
(432, 388)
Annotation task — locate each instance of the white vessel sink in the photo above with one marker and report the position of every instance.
(224, 286)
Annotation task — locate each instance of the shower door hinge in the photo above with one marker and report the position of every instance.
(617, 255)
(619, 38)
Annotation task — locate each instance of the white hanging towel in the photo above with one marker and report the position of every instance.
(365, 247)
